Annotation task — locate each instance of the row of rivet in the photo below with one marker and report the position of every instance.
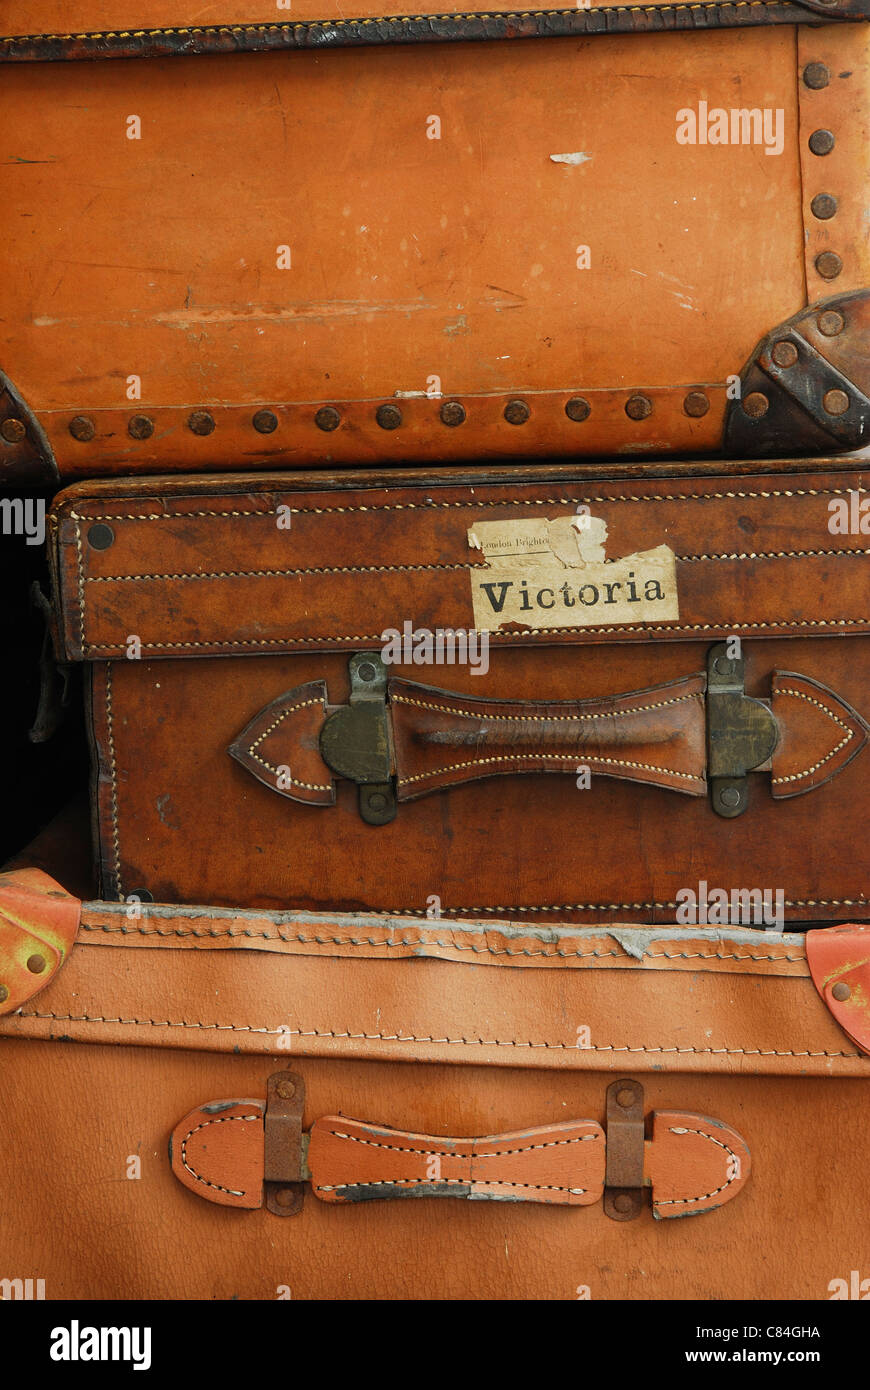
(389, 417)
(784, 353)
(824, 205)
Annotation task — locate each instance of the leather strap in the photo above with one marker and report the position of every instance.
(38, 925)
(691, 1163)
(658, 735)
(839, 961)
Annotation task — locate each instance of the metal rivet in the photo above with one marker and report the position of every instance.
(200, 422)
(13, 430)
(389, 417)
(784, 354)
(625, 1097)
(696, 404)
(823, 206)
(516, 412)
(285, 1197)
(141, 895)
(452, 413)
(841, 992)
(366, 671)
(377, 801)
(82, 429)
(100, 536)
(140, 427)
(36, 964)
(831, 322)
(638, 407)
(4, 994)
(623, 1201)
(835, 402)
(265, 421)
(730, 796)
(327, 418)
(725, 665)
(756, 405)
(829, 265)
(822, 141)
(816, 75)
(577, 409)
(286, 1090)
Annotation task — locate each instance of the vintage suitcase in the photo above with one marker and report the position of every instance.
(534, 694)
(190, 1076)
(632, 230)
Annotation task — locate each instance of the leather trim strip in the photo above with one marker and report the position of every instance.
(421, 28)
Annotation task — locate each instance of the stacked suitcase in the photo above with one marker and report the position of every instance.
(531, 348)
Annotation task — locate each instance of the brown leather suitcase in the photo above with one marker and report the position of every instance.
(238, 238)
(179, 1085)
(534, 694)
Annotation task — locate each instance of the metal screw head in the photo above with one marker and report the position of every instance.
(821, 142)
(286, 1090)
(816, 75)
(578, 409)
(366, 671)
(377, 801)
(4, 994)
(452, 413)
(729, 796)
(831, 322)
(755, 405)
(696, 404)
(841, 992)
(100, 536)
(200, 422)
(327, 418)
(140, 427)
(389, 417)
(82, 429)
(516, 412)
(13, 430)
(823, 206)
(36, 964)
(829, 265)
(638, 407)
(784, 354)
(265, 421)
(835, 402)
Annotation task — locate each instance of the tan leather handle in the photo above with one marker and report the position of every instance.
(247, 1154)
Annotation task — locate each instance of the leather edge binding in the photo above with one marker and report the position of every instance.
(423, 28)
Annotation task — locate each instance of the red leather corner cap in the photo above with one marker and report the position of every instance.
(839, 961)
(38, 925)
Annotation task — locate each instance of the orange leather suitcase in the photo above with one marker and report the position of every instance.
(219, 1105)
(238, 238)
(547, 693)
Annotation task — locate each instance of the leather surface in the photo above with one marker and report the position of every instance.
(804, 1212)
(538, 846)
(840, 964)
(660, 312)
(38, 925)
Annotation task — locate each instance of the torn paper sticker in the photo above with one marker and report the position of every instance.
(554, 574)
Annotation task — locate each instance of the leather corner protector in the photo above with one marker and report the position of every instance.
(217, 1151)
(820, 736)
(839, 961)
(25, 454)
(694, 1164)
(281, 746)
(38, 925)
(806, 386)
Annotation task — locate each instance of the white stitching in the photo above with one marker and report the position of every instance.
(542, 718)
(850, 734)
(218, 1120)
(685, 1201)
(452, 1153)
(570, 756)
(116, 828)
(294, 781)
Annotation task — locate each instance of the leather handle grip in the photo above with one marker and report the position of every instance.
(656, 735)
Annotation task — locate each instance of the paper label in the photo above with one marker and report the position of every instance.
(555, 574)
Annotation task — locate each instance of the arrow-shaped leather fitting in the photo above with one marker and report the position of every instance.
(221, 1151)
(38, 925)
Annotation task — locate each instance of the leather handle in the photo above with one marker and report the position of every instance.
(248, 1154)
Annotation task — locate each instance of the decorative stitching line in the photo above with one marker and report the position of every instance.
(449, 1182)
(449, 1153)
(541, 718)
(116, 829)
(294, 781)
(686, 1201)
(604, 907)
(850, 734)
(328, 24)
(408, 1037)
(443, 945)
(218, 1120)
(550, 757)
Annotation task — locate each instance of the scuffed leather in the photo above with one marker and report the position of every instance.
(38, 925)
(840, 956)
